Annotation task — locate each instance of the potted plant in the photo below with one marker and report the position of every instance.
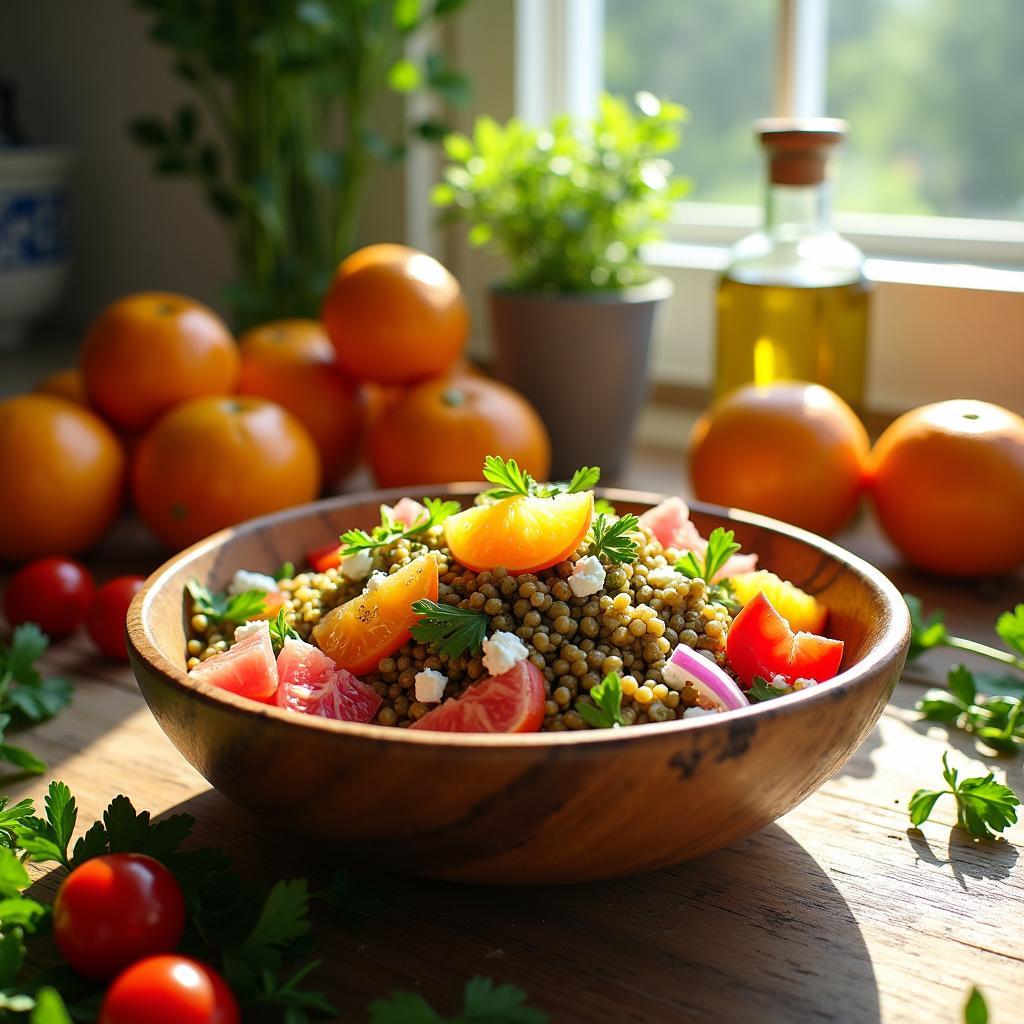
(273, 78)
(569, 207)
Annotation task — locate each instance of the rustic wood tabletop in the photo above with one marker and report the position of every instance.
(837, 912)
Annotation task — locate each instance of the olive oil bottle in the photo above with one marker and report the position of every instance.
(793, 302)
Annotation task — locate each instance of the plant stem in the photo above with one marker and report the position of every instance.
(962, 644)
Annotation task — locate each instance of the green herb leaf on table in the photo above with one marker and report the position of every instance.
(24, 693)
(352, 900)
(11, 818)
(606, 711)
(226, 609)
(50, 1008)
(483, 1002)
(454, 630)
(611, 538)
(47, 839)
(1010, 627)
(975, 1009)
(925, 633)
(984, 806)
(721, 547)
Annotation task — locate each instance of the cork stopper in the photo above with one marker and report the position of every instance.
(799, 147)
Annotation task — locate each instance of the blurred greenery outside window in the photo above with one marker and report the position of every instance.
(933, 91)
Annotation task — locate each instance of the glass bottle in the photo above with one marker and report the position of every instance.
(793, 301)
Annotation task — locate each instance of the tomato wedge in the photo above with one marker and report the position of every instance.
(761, 643)
(511, 702)
(357, 634)
(324, 558)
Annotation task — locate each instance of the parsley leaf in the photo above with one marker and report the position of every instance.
(762, 690)
(50, 1008)
(226, 609)
(390, 530)
(606, 711)
(721, 547)
(509, 478)
(11, 818)
(351, 901)
(1010, 627)
(975, 1009)
(612, 539)
(483, 1002)
(924, 633)
(605, 506)
(997, 721)
(24, 693)
(281, 631)
(984, 806)
(48, 840)
(454, 630)
(584, 479)
(286, 572)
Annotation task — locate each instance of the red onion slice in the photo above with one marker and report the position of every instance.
(713, 685)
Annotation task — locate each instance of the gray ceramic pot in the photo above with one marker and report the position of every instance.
(582, 361)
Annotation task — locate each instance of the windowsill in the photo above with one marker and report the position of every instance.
(691, 256)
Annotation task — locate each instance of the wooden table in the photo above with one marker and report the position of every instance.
(838, 912)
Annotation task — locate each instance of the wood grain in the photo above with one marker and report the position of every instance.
(837, 912)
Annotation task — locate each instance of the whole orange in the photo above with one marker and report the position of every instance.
(67, 384)
(292, 362)
(442, 430)
(147, 352)
(791, 450)
(395, 315)
(947, 482)
(212, 462)
(63, 477)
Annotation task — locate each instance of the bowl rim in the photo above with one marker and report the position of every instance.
(889, 649)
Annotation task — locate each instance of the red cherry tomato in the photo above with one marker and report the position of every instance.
(761, 643)
(113, 910)
(52, 592)
(107, 613)
(511, 702)
(169, 990)
(327, 557)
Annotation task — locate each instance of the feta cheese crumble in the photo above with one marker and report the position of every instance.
(662, 577)
(502, 651)
(587, 576)
(376, 579)
(244, 580)
(357, 566)
(697, 712)
(430, 686)
(249, 628)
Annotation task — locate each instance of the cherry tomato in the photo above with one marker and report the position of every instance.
(169, 990)
(113, 910)
(107, 613)
(761, 643)
(52, 592)
(324, 558)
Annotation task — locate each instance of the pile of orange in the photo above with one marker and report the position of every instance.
(946, 480)
(203, 431)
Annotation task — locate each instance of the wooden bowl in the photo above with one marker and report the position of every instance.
(521, 809)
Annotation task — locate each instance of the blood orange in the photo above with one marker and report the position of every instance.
(511, 702)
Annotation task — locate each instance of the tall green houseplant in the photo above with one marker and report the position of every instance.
(278, 82)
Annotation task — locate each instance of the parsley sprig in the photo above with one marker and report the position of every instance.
(226, 609)
(511, 481)
(26, 696)
(454, 630)
(721, 547)
(483, 1002)
(996, 720)
(280, 631)
(606, 711)
(611, 538)
(390, 529)
(762, 690)
(931, 632)
(984, 806)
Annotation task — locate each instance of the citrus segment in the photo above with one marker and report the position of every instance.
(357, 634)
(799, 609)
(523, 534)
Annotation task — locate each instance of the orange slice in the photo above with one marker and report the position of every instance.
(522, 534)
(799, 609)
(357, 634)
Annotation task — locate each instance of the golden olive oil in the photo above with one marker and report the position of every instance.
(777, 332)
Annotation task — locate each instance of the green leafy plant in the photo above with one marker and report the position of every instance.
(483, 1002)
(454, 630)
(26, 696)
(721, 547)
(390, 530)
(225, 609)
(271, 78)
(984, 806)
(569, 206)
(606, 711)
(611, 538)
(511, 481)
(281, 631)
(931, 632)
